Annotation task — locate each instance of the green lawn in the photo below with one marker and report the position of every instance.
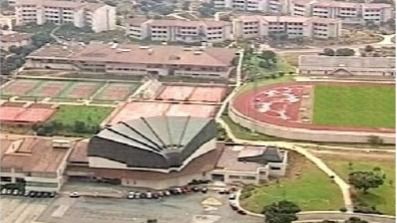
(91, 115)
(383, 197)
(355, 106)
(307, 186)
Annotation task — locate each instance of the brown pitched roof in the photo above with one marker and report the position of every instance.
(31, 154)
(128, 53)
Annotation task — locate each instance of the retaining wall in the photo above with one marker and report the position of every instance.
(307, 134)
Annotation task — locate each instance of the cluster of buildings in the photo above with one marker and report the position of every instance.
(11, 38)
(349, 12)
(155, 152)
(97, 16)
(129, 59)
(254, 26)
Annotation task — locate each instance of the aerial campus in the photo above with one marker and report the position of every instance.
(197, 111)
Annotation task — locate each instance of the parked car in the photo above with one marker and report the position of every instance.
(26, 194)
(39, 194)
(32, 194)
(232, 197)
(3, 191)
(74, 195)
(204, 190)
(143, 195)
(15, 192)
(167, 193)
(46, 194)
(53, 194)
(195, 189)
(149, 195)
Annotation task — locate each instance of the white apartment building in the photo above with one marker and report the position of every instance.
(292, 26)
(349, 12)
(268, 6)
(179, 31)
(99, 17)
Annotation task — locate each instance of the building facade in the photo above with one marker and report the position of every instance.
(128, 59)
(179, 30)
(348, 12)
(36, 163)
(97, 16)
(347, 66)
(266, 6)
(290, 26)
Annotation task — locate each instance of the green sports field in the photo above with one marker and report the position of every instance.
(354, 106)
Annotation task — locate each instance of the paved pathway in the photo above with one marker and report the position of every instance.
(344, 187)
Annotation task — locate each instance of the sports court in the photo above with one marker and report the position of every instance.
(19, 87)
(65, 90)
(18, 112)
(211, 94)
(116, 91)
(135, 110)
(82, 90)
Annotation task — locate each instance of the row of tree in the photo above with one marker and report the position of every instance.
(338, 52)
(286, 212)
(17, 59)
(54, 127)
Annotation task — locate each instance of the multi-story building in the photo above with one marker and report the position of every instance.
(268, 6)
(349, 12)
(291, 26)
(179, 31)
(99, 17)
(36, 163)
(157, 60)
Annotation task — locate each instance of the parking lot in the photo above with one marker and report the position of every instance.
(180, 209)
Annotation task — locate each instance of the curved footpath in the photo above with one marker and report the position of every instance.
(314, 216)
(305, 216)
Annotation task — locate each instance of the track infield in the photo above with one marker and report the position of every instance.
(337, 106)
(355, 106)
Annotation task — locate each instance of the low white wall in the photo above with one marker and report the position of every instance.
(307, 134)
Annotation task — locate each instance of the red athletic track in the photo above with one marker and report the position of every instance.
(245, 105)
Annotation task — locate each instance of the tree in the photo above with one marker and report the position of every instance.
(329, 52)
(15, 49)
(369, 48)
(269, 56)
(345, 52)
(235, 61)
(281, 212)
(355, 220)
(79, 127)
(264, 64)
(365, 180)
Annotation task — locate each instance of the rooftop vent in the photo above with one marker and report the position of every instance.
(114, 45)
(197, 52)
(150, 51)
(143, 47)
(61, 143)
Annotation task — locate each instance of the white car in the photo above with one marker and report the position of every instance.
(74, 195)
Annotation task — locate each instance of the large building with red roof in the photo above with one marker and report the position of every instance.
(129, 59)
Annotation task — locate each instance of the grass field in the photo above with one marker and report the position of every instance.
(355, 106)
(91, 115)
(383, 197)
(305, 185)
